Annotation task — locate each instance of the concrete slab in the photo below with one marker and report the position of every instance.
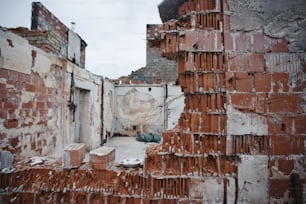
(127, 148)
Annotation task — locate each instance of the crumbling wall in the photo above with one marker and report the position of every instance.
(32, 97)
(265, 79)
(35, 90)
(72, 46)
(240, 138)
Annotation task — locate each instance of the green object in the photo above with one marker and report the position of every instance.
(150, 137)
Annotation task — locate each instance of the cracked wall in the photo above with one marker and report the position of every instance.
(35, 89)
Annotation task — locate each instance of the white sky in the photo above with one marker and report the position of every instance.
(115, 30)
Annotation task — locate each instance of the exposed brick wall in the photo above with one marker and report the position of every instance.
(240, 138)
(44, 20)
(265, 79)
(29, 109)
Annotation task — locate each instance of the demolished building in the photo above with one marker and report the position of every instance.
(239, 139)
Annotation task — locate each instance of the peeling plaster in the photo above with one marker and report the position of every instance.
(239, 123)
(277, 19)
(253, 179)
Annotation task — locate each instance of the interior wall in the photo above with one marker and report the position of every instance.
(144, 108)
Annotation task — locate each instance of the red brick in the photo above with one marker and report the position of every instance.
(11, 104)
(21, 77)
(286, 145)
(28, 105)
(27, 197)
(258, 42)
(283, 62)
(33, 145)
(249, 101)
(30, 87)
(280, 46)
(280, 82)
(253, 62)
(278, 187)
(3, 73)
(300, 124)
(14, 142)
(230, 81)
(244, 81)
(280, 124)
(262, 82)
(284, 103)
(3, 93)
(228, 41)
(74, 154)
(40, 105)
(10, 123)
(285, 166)
(242, 42)
(102, 158)
(2, 86)
(202, 40)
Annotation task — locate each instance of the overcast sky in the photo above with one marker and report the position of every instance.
(115, 30)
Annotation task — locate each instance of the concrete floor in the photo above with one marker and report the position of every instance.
(127, 148)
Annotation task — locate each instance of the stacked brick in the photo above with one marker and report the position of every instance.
(197, 149)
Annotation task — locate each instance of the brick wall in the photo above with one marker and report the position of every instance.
(34, 92)
(158, 69)
(240, 138)
(44, 20)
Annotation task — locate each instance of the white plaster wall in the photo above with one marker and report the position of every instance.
(137, 106)
(211, 190)
(93, 84)
(18, 57)
(74, 47)
(253, 174)
(174, 105)
(239, 123)
(109, 108)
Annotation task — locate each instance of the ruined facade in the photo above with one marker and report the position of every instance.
(240, 138)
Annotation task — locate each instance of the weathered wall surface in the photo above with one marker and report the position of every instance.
(72, 46)
(86, 127)
(109, 108)
(35, 89)
(174, 105)
(265, 80)
(32, 97)
(144, 108)
(240, 138)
